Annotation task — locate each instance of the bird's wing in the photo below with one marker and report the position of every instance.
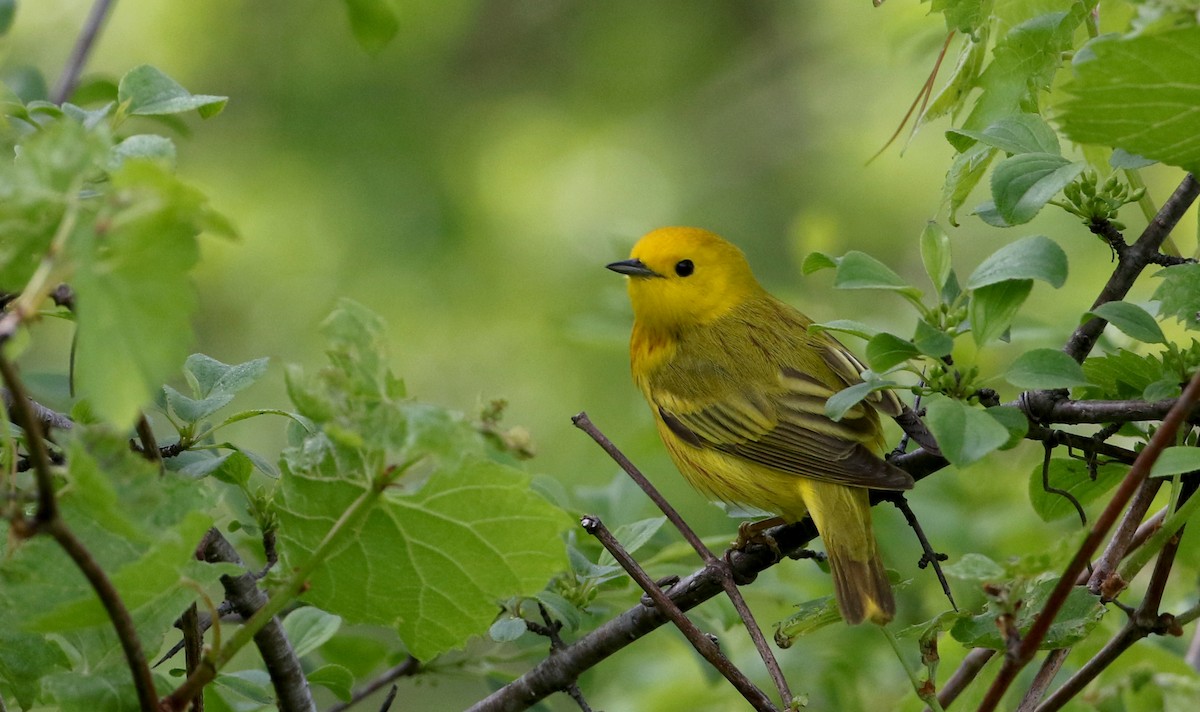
(849, 370)
(786, 429)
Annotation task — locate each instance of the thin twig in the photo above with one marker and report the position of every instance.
(1048, 449)
(79, 54)
(408, 666)
(550, 629)
(145, 433)
(1132, 262)
(47, 417)
(1122, 538)
(193, 648)
(928, 556)
(585, 424)
(391, 697)
(131, 645)
(1163, 437)
(557, 671)
(967, 671)
(1050, 667)
(35, 443)
(703, 644)
(1144, 621)
(287, 676)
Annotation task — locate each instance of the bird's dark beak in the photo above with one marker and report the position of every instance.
(633, 268)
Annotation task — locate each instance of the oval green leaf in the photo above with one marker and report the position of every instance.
(1045, 368)
(1135, 321)
(885, 350)
(1070, 476)
(1023, 184)
(993, 307)
(1034, 257)
(965, 434)
(858, 270)
(1176, 461)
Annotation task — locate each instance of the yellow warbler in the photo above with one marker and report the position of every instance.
(738, 387)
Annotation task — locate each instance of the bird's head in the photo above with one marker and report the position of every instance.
(685, 276)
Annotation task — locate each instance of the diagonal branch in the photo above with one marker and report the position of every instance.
(48, 520)
(1132, 262)
(1161, 439)
(704, 645)
(79, 54)
(728, 582)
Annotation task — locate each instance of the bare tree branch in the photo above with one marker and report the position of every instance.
(291, 686)
(1131, 262)
(1162, 437)
(83, 47)
(408, 666)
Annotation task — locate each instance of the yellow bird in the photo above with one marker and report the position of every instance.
(738, 387)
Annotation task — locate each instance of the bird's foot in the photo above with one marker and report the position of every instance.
(752, 533)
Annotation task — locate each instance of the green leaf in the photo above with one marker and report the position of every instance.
(193, 411)
(858, 270)
(1045, 369)
(308, 628)
(961, 15)
(507, 629)
(253, 685)
(431, 563)
(1139, 94)
(962, 79)
(1162, 389)
(144, 147)
(932, 341)
(1135, 321)
(1122, 375)
(964, 434)
(1013, 420)
(1124, 160)
(1179, 293)
(1024, 62)
(134, 299)
(993, 307)
(373, 23)
(633, 536)
(8, 8)
(149, 92)
(810, 617)
(1072, 476)
(845, 326)
(1081, 613)
(335, 678)
(1034, 257)
(1020, 133)
(965, 172)
(975, 567)
(817, 261)
(935, 254)
(37, 185)
(886, 350)
(561, 609)
(848, 397)
(1176, 460)
(209, 376)
(139, 526)
(1023, 184)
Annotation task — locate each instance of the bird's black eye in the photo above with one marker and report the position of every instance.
(684, 267)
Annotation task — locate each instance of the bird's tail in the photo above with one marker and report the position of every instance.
(843, 517)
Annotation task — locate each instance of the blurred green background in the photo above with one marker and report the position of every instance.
(470, 182)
